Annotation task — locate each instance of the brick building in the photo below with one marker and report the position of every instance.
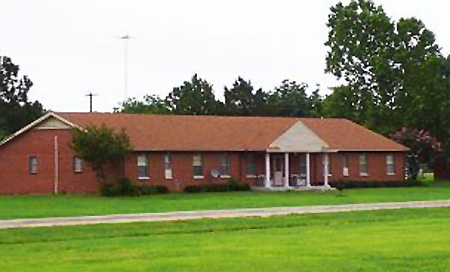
(176, 151)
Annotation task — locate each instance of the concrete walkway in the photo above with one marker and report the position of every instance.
(170, 216)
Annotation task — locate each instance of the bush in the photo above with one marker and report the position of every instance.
(348, 184)
(230, 186)
(125, 187)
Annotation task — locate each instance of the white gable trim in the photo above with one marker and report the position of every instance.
(298, 138)
(36, 122)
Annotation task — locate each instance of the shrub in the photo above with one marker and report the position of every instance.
(348, 184)
(231, 185)
(125, 187)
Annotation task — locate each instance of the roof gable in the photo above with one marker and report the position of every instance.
(298, 138)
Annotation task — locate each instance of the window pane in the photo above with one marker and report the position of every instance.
(251, 167)
(32, 164)
(225, 165)
(390, 164)
(142, 164)
(77, 164)
(363, 167)
(197, 164)
(197, 160)
(142, 160)
(168, 166)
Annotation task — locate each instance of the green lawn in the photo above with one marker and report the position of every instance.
(394, 240)
(49, 206)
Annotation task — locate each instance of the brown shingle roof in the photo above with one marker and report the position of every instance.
(219, 133)
(183, 132)
(343, 134)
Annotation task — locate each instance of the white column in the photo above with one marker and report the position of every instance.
(308, 170)
(267, 180)
(326, 160)
(286, 169)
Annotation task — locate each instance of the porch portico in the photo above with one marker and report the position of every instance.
(298, 144)
(294, 170)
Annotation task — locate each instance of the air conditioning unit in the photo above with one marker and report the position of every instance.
(345, 171)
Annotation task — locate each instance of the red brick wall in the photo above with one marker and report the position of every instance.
(15, 178)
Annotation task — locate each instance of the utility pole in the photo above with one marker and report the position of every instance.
(90, 94)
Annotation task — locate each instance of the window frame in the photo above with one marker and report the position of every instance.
(366, 164)
(390, 163)
(32, 165)
(197, 164)
(147, 168)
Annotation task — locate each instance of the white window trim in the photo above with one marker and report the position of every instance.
(199, 177)
(146, 165)
(251, 176)
(225, 176)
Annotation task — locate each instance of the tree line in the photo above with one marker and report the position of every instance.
(197, 97)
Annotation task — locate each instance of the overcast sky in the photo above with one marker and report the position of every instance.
(71, 47)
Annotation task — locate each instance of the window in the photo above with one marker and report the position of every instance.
(77, 164)
(345, 165)
(225, 165)
(142, 164)
(168, 165)
(251, 166)
(390, 164)
(363, 165)
(32, 165)
(197, 164)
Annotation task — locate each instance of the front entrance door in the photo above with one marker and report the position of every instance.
(278, 170)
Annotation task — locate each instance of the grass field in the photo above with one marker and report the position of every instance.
(66, 205)
(395, 240)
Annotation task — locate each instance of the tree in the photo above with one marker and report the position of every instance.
(290, 99)
(243, 100)
(423, 148)
(99, 147)
(195, 97)
(381, 62)
(152, 104)
(16, 110)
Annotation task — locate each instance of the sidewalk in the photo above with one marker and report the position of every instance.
(170, 216)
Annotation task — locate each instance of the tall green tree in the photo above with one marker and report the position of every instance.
(387, 67)
(195, 97)
(243, 100)
(290, 99)
(16, 110)
(151, 104)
